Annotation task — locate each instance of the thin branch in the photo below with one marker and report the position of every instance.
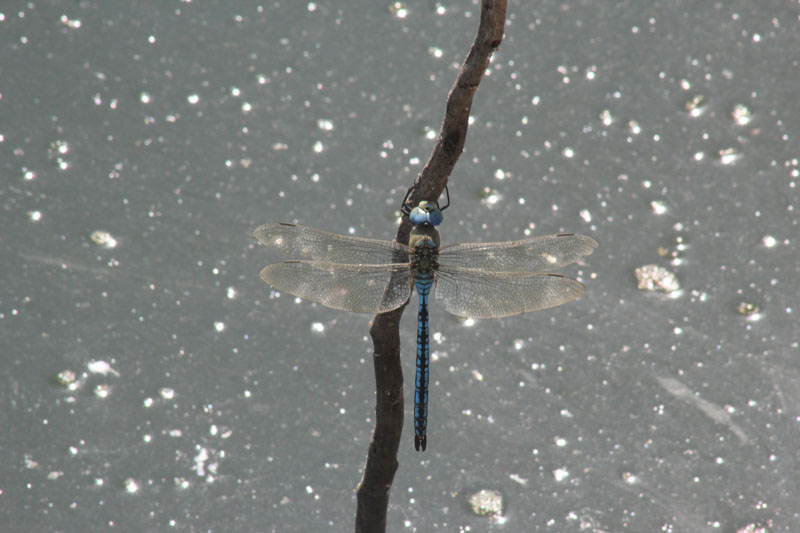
(379, 470)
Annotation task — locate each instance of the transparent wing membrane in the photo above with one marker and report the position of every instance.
(480, 294)
(538, 254)
(298, 242)
(356, 288)
(478, 280)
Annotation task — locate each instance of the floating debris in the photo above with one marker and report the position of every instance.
(57, 153)
(729, 156)
(713, 411)
(741, 114)
(630, 478)
(131, 486)
(486, 503)
(752, 528)
(490, 196)
(659, 207)
(103, 238)
(101, 367)
(656, 278)
(696, 106)
(102, 391)
(398, 9)
(747, 309)
(68, 379)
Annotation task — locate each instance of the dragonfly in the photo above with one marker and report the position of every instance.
(469, 280)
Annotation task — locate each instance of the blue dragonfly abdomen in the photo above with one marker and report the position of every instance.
(423, 284)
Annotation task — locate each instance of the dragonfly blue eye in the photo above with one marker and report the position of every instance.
(426, 212)
(478, 280)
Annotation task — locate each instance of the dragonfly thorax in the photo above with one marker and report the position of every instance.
(424, 258)
(424, 248)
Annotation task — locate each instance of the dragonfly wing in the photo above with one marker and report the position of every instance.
(296, 242)
(481, 294)
(355, 288)
(537, 254)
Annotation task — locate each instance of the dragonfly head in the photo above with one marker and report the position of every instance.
(426, 213)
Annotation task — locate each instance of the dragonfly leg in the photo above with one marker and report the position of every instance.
(406, 209)
(447, 192)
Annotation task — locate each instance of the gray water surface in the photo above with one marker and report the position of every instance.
(152, 382)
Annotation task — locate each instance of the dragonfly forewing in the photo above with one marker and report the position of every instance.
(356, 288)
(538, 254)
(298, 242)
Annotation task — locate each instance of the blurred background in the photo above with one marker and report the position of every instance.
(151, 381)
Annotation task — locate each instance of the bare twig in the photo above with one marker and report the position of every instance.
(376, 483)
